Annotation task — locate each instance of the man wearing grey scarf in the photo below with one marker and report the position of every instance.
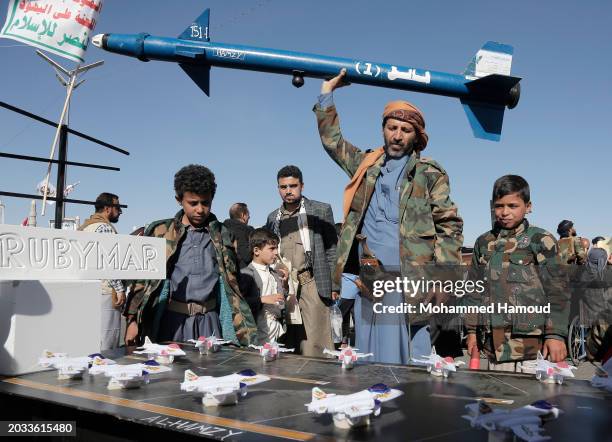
(596, 288)
(596, 262)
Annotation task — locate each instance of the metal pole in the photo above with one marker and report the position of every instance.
(70, 86)
(61, 176)
(61, 122)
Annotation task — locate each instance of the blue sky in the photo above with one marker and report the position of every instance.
(558, 137)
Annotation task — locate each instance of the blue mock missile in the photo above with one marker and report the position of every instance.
(485, 88)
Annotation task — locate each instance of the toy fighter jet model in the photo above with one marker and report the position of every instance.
(347, 355)
(129, 376)
(549, 372)
(223, 390)
(212, 344)
(352, 410)
(71, 368)
(437, 365)
(164, 354)
(270, 350)
(525, 422)
(485, 88)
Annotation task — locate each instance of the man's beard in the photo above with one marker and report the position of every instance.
(405, 151)
(295, 201)
(114, 219)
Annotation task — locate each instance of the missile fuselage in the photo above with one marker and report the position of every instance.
(147, 47)
(484, 89)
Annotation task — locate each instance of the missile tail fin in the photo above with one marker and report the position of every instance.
(198, 30)
(485, 119)
(200, 74)
(492, 58)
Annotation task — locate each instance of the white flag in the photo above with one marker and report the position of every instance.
(62, 27)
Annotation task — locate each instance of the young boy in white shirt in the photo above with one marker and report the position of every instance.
(264, 287)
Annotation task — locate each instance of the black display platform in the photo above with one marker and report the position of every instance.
(430, 409)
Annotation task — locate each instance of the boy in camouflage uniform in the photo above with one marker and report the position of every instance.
(521, 266)
(201, 295)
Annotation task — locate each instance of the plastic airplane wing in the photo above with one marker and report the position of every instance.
(48, 358)
(217, 392)
(318, 402)
(529, 432)
(191, 381)
(429, 359)
(331, 352)
(354, 412)
(565, 369)
(153, 367)
(249, 377)
(318, 395)
(175, 350)
(364, 355)
(383, 393)
(450, 364)
(101, 360)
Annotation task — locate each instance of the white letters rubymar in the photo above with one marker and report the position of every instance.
(29, 253)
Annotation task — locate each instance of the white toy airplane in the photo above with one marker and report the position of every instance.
(270, 350)
(525, 422)
(352, 410)
(71, 368)
(549, 372)
(210, 344)
(223, 390)
(128, 376)
(437, 365)
(164, 354)
(347, 355)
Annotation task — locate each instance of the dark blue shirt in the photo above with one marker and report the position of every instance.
(196, 272)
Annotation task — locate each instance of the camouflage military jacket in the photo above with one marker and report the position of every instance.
(571, 250)
(522, 269)
(146, 293)
(430, 227)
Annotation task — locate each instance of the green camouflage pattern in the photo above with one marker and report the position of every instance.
(572, 251)
(430, 226)
(522, 268)
(146, 292)
(599, 339)
(501, 345)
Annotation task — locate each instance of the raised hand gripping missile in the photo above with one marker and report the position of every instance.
(485, 88)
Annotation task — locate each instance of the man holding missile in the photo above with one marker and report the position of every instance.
(400, 202)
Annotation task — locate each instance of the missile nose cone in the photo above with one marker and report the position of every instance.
(98, 41)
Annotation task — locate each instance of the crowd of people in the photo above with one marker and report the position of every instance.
(278, 282)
